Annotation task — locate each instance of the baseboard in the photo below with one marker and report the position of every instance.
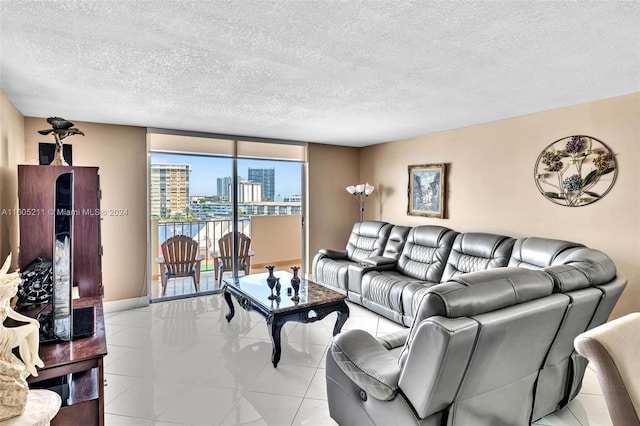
(126, 304)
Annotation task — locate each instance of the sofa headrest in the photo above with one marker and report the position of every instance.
(395, 243)
(483, 245)
(430, 236)
(367, 239)
(371, 228)
(484, 291)
(425, 253)
(476, 251)
(596, 266)
(535, 253)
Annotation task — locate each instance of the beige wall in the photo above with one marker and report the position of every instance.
(11, 154)
(331, 211)
(120, 153)
(491, 186)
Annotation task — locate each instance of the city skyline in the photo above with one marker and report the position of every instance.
(207, 169)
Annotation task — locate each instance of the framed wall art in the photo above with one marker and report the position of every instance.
(427, 190)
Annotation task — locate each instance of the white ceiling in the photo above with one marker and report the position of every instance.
(349, 72)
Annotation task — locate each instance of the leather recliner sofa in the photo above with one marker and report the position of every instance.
(395, 284)
(367, 239)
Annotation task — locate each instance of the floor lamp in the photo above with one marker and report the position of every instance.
(361, 192)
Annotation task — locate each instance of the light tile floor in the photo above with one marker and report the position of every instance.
(180, 363)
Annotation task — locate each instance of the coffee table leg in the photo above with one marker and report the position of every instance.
(275, 327)
(227, 297)
(343, 314)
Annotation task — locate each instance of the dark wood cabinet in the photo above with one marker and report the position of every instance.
(36, 187)
(79, 361)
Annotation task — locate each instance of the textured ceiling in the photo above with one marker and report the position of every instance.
(347, 72)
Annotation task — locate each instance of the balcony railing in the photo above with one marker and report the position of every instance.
(205, 232)
(275, 240)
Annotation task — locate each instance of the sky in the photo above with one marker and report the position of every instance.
(206, 169)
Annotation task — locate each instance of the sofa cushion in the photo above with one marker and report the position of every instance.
(395, 242)
(382, 292)
(367, 239)
(425, 253)
(536, 253)
(394, 339)
(367, 363)
(476, 251)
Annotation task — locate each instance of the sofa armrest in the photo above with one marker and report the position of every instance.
(367, 363)
(378, 261)
(357, 271)
(333, 254)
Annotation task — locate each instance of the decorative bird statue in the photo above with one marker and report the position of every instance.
(61, 128)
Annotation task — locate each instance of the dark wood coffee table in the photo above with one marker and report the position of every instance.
(316, 302)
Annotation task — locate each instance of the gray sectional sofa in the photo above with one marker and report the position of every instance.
(491, 324)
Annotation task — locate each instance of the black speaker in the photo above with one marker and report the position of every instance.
(83, 322)
(83, 325)
(47, 153)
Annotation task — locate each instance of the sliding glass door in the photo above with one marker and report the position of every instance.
(189, 196)
(202, 205)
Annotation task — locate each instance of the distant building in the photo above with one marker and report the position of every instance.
(223, 185)
(169, 189)
(272, 208)
(267, 177)
(292, 199)
(249, 192)
(212, 210)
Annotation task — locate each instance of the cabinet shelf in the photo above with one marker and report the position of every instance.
(82, 361)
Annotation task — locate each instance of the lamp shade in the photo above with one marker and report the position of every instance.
(351, 189)
(368, 189)
(360, 188)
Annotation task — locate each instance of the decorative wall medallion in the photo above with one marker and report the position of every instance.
(575, 171)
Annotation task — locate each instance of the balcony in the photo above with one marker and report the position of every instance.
(276, 240)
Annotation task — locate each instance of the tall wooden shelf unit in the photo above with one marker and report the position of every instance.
(36, 188)
(80, 359)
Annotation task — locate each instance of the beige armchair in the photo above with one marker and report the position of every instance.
(614, 350)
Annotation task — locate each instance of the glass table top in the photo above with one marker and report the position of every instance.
(310, 294)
